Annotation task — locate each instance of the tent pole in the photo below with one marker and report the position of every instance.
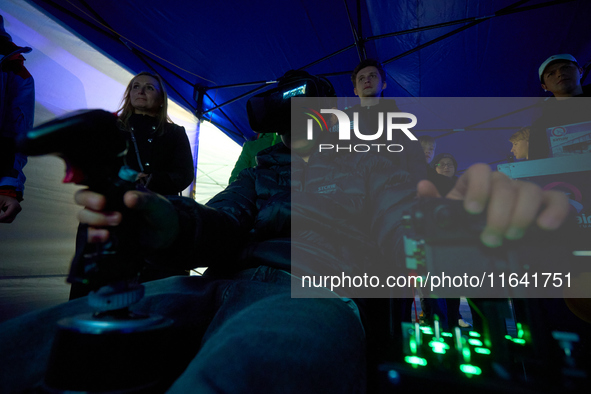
(451, 33)
(358, 43)
(466, 20)
(238, 133)
(237, 85)
(327, 57)
(195, 144)
(236, 98)
(360, 31)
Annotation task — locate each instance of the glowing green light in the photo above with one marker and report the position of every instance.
(474, 334)
(439, 347)
(509, 337)
(413, 345)
(475, 342)
(519, 341)
(470, 369)
(427, 330)
(520, 331)
(414, 360)
(466, 354)
(482, 350)
(447, 334)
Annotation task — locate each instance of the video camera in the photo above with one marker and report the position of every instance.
(269, 112)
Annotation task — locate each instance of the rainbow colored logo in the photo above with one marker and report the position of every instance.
(317, 117)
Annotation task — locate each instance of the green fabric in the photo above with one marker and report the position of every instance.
(250, 149)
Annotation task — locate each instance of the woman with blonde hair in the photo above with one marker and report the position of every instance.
(159, 150)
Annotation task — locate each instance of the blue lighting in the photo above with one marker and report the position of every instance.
(299, 91)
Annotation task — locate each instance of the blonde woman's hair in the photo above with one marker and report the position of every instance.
(127, 109)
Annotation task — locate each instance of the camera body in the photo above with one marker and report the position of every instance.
(270, 111)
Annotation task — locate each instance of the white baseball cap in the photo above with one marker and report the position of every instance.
(564, 56)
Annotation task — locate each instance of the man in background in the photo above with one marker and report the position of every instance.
(561, 75)
(369, 83)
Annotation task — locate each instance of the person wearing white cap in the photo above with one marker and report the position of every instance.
(17, 107)
(561, 75)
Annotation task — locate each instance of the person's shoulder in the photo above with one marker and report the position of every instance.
(171, 126)
(263, 141)
(277, 154)
(173, 130)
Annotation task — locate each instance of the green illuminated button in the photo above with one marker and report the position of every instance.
(414, 360)
(470, 369)
(413, 345)
(518, 341)
(439, 347)
(474, 334)
(427, 330)
(466, 354)
(482, 350)
(475, 342)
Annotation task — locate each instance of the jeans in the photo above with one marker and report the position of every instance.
(245, 334)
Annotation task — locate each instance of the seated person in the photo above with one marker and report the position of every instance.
(254, 336)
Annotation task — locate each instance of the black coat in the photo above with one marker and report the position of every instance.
(412, 158)
(557, 113)
(165, 156)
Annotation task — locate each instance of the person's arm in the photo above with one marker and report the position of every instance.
(178, 231)
(18, 117)
(511, 206)
(178, 173)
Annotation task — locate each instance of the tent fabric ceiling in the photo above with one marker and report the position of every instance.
(212, 44)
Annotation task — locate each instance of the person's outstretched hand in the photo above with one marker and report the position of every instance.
(157, 221)
(511, 206)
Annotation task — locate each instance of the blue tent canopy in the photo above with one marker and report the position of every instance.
(215, 55)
